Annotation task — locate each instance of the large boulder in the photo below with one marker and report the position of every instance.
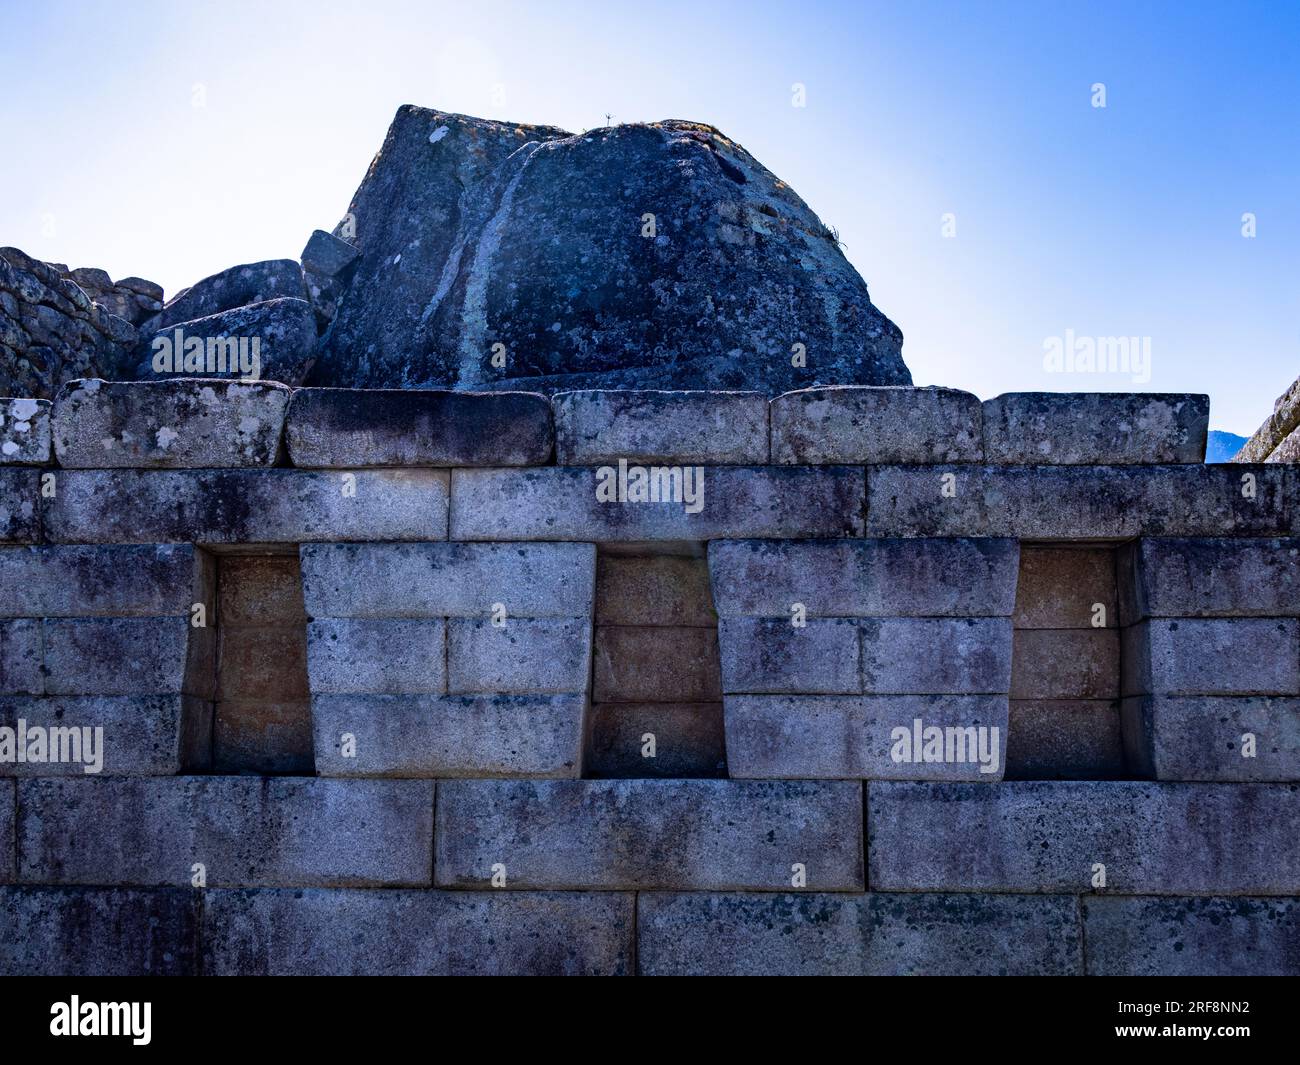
(640, 256)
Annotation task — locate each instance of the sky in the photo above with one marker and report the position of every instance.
(999, 216)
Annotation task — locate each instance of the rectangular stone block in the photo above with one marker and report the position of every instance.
(712, 428)
(936, 656)
(268, 663)
(1095, 428)
(767, 655)
(116, 656)
(394, 656)
(1192, 937)
(1229, 738)
(1212, 656)
(258, 735)
(654, 590)
(525, 656)
(261, 592)
(246, 506)
(273, 932)
(688, 740)
(53, 931)
(8, 832)
(561, 503)
(1065, 664)
(1243, 577)
(108, 580)
(188, 423)
(245, 831)
(449, 736)
(1062, 587)
(865, 578)
(24, 432)
(20, 510)
(868, 426)
(124, 735)
(448, 579)
(1075, 502)
(21, 657)
(1045, 836)
(1065, 739)
(346, 428)
(641, 663)
(706, 835)
(812, 934)
(867, 736)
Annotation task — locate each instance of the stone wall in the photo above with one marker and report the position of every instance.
(490, 623)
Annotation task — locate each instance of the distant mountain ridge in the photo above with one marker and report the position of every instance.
(1221, 446)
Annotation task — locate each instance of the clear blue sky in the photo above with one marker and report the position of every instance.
(1122, 221)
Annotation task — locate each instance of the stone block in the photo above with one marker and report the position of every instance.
(640, 663)
(688, 740)
(828, 737)
(1228, 738)
(1216, 577)
(246, 506)
(109, 580)
(768, 655)
(343, 428)
(267, 663)
(189, 423)
(1046, 836)
(263, 736)
(245, 831)
(936, 656)
(20, 509)
(261, 591)
(868, 426)
(561, 503)
(449, 736)
(1212, 656)
(711, 428)
(273, 932)
(393, 656)
(864, 578)
(653, 590)
(8, 832)
(1064, 739)
(525, 656)
(875, 934)
(21, 657)
(117, 656)
(328, 255)
(1065, 664)
(24, 432)
(1061, 587)
(706, 835)
(448, 580)
(1095, 428)
(1076, 502)
(56, 931)
(1192, 937)
(235, 287)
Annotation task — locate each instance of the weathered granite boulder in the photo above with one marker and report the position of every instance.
(236, 287)
(662, 255)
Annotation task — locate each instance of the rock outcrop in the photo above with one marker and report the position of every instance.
(1278, 439)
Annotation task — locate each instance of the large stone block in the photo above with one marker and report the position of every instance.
(767, 655)
(1042, 836)
(448, 580)
(245, 831)
(1076, 502)
(707, 835)
(20, 509)
(1064, 739)
(1061, 587)
(1242, 577)
(714, 428)
(393, 656)
(1212, 656)
(1065, 664)
(525, 656)
(868, 426)
(1095, 428)
(561, 503)
(110, 580)
(864, 578)
(1213, 738)
(24, 432)
(118, 656)
(640, 663)
(8, 832)
(417, 933)
(181, 424)
(54, 931)
(827, 737)
(260, 735)
(261, 591)
(857, 935)
(21, 657)
(688, 740)
(342, 428)
(449, 736)
(1192, 937)
(129, 735)
(246, 283)
(654, 590)
(246, 506)
(936, 656)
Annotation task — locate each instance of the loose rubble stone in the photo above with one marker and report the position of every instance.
(237, 287)
(24, 432)
(327, 255)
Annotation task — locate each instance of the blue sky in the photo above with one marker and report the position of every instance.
(173, 140)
